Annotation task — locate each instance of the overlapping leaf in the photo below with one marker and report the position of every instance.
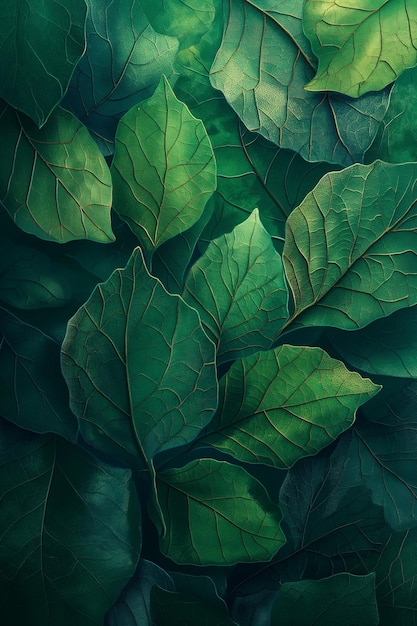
(361, 46)
(163, 169)
(40, 45)
(278, 406)
(351, 246)
(70, 533)
(141, 380)
(215, 513)
(53, 182)
(239, 289)
(343, 599)
(262, 67)
(176, 609)
(33, 392)
(122, 66)
(186, 20)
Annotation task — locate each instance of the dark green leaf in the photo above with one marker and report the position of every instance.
(70, 533)
(178, 609)
(278, 406)
(361, 46)
(262, 67)
(122, 66)
(40, 44)
(141, 380)
(54, 182)
(33, 391)
(343, 599)
(215, 513)
(351, 246)
(163, 169)
(239, 289)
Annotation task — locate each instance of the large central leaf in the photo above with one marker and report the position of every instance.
(139, 366)
(262, 67)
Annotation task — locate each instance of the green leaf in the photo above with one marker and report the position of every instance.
(215, 513)
(40, 45)
(188, 21)
(33, 391)
(262, 66)
(140, 380)
(176, 609)
(278, 406)
(361, 46)
(239, 289)
(70, 532)
(54, 182)
(122, 66)
(343, 599)
(163, 169)
(350, 248)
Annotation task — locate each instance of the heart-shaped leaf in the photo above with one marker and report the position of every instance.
(140, 381)
(54, 182)
(215, 513)
(163, 168)
(361, 46)
(239, 289)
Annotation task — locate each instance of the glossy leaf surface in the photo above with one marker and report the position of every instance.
(239, 289)
(215, 513)
(60, 161)
(40, 45)
(361, 46)
(140, 381)
(163, 169)
(351, 246)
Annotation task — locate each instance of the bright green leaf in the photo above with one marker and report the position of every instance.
(186, 19)
(351, 246)
(139, 367)
(54, 182)
(215, 513)
(163, 169)
(278, 406)
(33, 392)
(122, 66)
(262, 67)
(343, 599)
(70, 531)
(239, 289)
(361, 46)
(40, 45)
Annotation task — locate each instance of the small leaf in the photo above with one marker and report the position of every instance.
(140, 381)
(122, 66)
(70, 532)
(215, 513)
(239, 289)
(351, 246)
(343, 599)
(40, 44)
(54, 182)
(34, 394)
(163, 169)
(361, 46)
(278, 406)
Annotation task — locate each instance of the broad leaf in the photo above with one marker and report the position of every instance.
(122, 66)
(350, 249)
(176, 609)
(54, 182)
(70, 532)
(278, 406)
(163, 169)
(215, 513)
(342, 599)
(186, 20)
(361, 46)
(40, 45)
(33, 391)
(262, 67)
(239, 289)
(140, 381)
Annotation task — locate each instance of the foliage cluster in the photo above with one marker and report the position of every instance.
(208, 286)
